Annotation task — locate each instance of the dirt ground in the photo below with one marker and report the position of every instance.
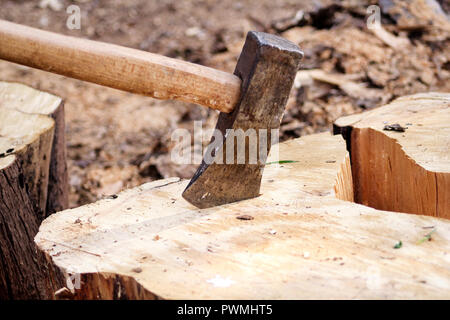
(117, 140)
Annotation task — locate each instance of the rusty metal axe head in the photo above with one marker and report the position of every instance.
(232, 171)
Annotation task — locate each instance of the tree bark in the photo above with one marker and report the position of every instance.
(32, 155)
(58, 185)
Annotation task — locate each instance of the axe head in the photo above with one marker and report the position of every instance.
(234, 161)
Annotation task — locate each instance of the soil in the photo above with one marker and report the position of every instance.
(118, 140)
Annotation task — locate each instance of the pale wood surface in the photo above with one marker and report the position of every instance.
(119, 67)
(29, 158)
(403, 171)
(303, 242)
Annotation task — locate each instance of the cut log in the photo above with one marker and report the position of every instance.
(33, 184)
(38, 144)
(401, 154)
(302, 238)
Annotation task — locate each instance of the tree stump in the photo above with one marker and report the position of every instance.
(303, 238)
(33, 184)
(401, 154)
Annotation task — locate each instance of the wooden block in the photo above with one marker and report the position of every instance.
(302, 238)
(403, 171)
(33, 184)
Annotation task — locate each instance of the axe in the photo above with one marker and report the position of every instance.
(253, 98)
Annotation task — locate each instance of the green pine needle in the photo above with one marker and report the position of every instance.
(427, 237)
(281, 162)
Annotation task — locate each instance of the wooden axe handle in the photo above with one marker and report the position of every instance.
(119, 67)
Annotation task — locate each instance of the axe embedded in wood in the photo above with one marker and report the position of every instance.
(253, 98)
(267, 66)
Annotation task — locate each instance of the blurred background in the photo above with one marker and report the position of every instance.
(117, 140)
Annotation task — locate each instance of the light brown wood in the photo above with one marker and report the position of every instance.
(32, 154)
(299, 240)
(403, 171)
(119, 67)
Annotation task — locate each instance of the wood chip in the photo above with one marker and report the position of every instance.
(245, 217)
(394, 127)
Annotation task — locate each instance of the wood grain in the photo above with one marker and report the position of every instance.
(304, 240)
(119, 67)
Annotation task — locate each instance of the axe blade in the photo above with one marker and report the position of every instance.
(267, 67)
